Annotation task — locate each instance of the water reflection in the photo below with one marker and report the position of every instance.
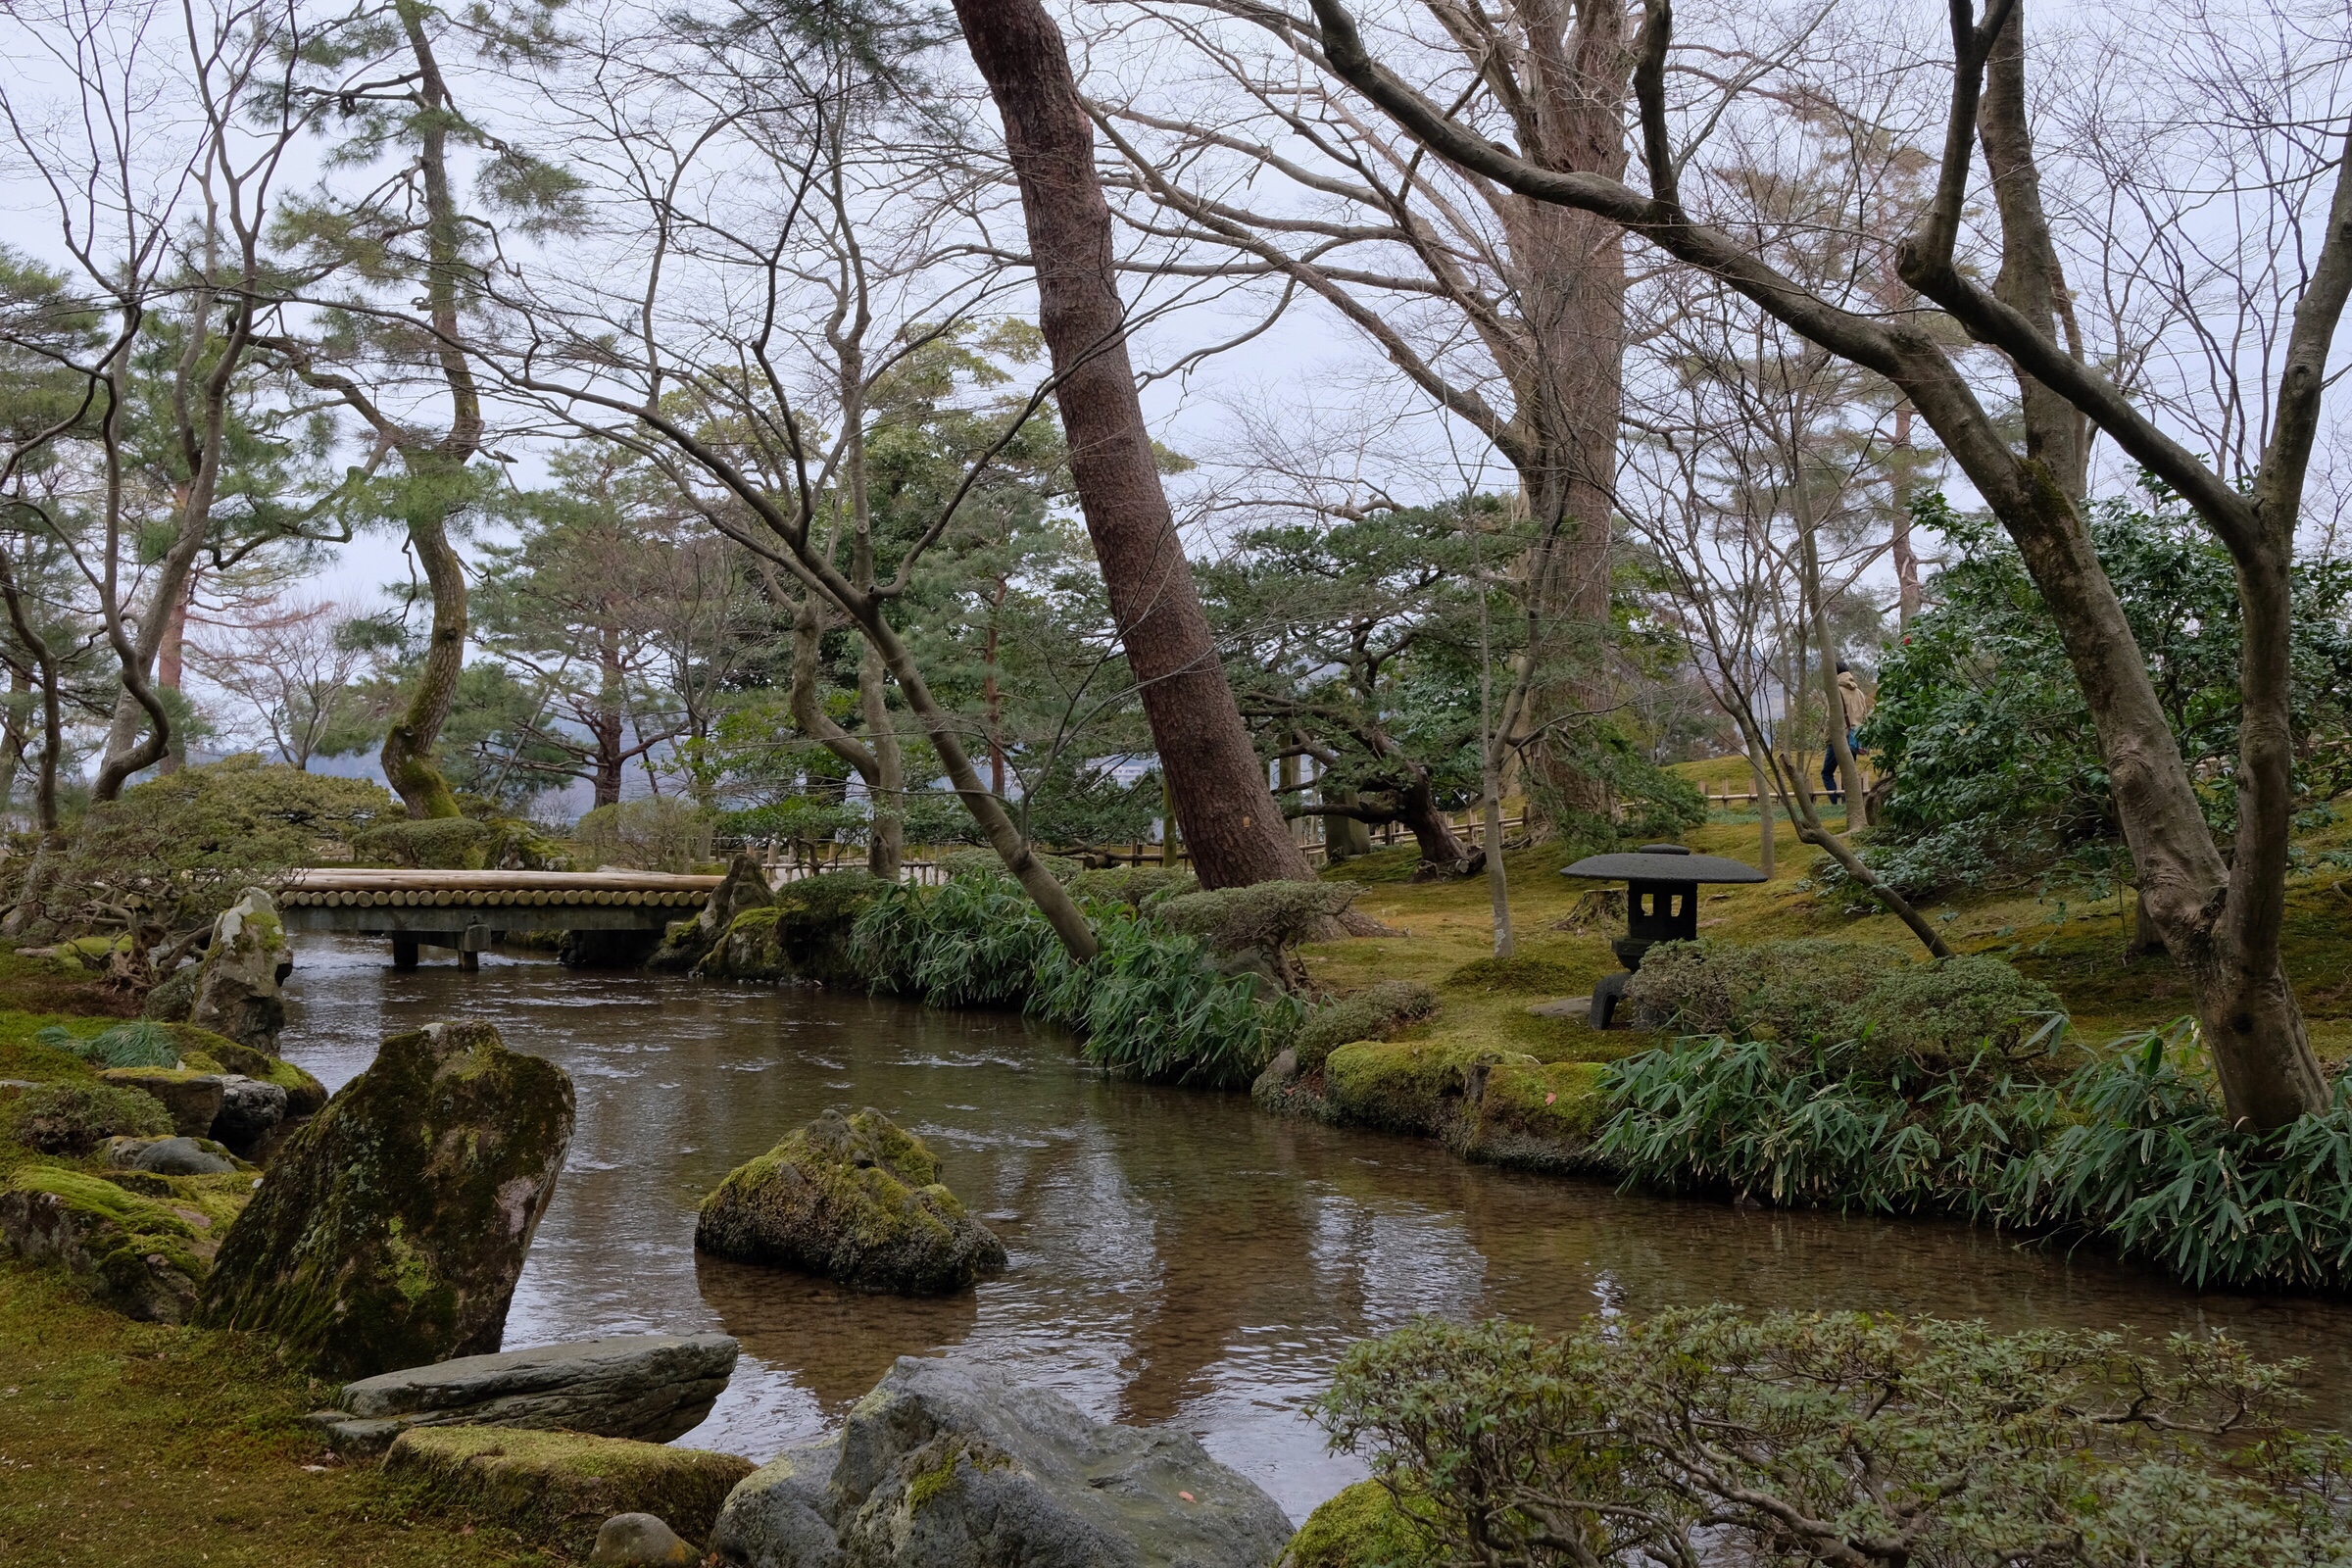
(1176, 1258)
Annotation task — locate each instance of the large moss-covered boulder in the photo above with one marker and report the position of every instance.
(688, 942)
(856, 1198)
(801, 936)
(144, 1252)
(561, 1486)
(390, 1230)
(237, 990)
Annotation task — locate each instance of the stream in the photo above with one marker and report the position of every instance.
(1177, 1257)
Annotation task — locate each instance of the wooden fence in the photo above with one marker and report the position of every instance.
(789, 860)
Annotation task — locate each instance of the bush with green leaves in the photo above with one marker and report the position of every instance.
(139, 1043)
(1822, 1126)
(1150, 1005)
(74, 1117)
(174, 851)
(2131, 1151)
(1935, 1015)
(1979, 722)
(2148, 1163)
(1706, 1435)
(1373, 1015)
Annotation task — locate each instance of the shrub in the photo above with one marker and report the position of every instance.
(442, 843)
(1937, 1016)
(1134, 885)
(1270, 917)
(74, 1118)
(140, 1044)
(2150, 1163)
(182, 847)
(657, 833)
(1150, 1005)
(1373, 1015)
(1705, 1435)
(1153, 1007)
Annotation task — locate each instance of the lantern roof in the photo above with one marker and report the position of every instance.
(1663, 863)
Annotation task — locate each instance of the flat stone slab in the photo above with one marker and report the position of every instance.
(1565, 1007)
(650, 1387)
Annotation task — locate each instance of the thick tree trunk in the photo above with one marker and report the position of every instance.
(1345, 837)
(1228, 815)
(1569, 271)
(407, 755)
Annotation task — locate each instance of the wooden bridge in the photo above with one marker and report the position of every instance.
(468, 910)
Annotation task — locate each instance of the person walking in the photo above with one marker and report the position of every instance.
(1856, 704)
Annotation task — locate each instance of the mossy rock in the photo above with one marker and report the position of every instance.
(1409, 1086)
(1363, 1527)
(391, 1228)
(560, 1487)
(237, 985)
(190, 1094)
(1536, 1115)
(306, 1096)
(171, 999)
(856, 1199)
(70, 1118)
(802, 935)
(146, 1254)
(686, 943)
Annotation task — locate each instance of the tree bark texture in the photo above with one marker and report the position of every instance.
(1569, 282)
(1218, 785)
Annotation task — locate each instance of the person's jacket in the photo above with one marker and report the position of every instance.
(1857, 701)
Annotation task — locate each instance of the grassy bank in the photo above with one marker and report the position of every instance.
(129, 1443)
(2075, 946)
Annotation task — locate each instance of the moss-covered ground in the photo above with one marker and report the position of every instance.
(2062, 936)
(128, 1442)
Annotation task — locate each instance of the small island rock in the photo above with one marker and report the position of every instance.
(391, 1228)
(856, 1199)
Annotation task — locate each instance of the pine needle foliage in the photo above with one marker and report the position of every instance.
(1708, 1435)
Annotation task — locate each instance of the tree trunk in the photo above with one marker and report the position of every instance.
(171, 664)
(1570, 279)
(1343, 837)
(1901, 462)
(886, 837)
(1228, 815)
(407, 755)
(438, 481)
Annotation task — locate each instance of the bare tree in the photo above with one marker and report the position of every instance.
(289, 664)
(2220, 914)
(1509, 314)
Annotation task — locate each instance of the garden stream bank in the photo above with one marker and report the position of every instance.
(1177, 1256)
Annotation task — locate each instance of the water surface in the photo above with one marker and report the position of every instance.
(1177, 1257)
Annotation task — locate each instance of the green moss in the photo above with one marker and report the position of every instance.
(305, 1095)
(1538, 1115)
(1363, 1527)
(143, 1255)
(854, 1199)
(1520, 975)
(560, 1487)
(143, 1443)
(1408, 1086)
(73, 1117)
(949, 1453)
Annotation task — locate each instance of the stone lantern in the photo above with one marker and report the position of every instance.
(1661, 904)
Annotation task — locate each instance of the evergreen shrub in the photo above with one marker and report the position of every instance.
(1705, 1435)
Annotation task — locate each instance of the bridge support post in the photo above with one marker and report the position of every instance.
(403, 953)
